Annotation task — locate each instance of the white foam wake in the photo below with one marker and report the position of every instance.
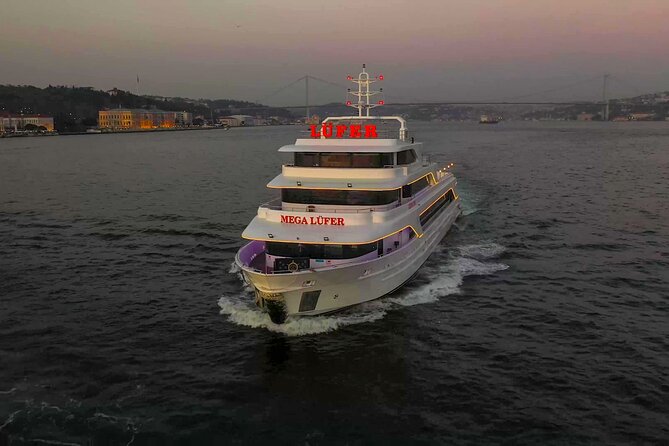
(241, 310)
(441, 276)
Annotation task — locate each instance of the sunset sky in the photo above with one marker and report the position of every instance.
(427, 50)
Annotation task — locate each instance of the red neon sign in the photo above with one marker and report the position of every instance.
(321, 221)
(328, 130)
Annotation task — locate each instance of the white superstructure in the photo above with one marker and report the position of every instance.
(358, 215)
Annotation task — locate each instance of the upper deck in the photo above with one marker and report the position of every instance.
(376, 145)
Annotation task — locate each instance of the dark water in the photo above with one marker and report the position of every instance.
(543, 318)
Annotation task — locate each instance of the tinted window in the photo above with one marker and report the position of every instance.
(406, 157)
(316, 251)
(335, 160)
(340, 197)
(412, 189)
(309, 300)
(355, 160)
(306, 159)
(436, 208)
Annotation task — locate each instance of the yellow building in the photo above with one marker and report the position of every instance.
(140, 119)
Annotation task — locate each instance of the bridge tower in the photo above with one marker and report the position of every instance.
(605, 114)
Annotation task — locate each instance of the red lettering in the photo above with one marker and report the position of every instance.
(327, 130)
(370, 131)
(314, 133)
(296, 220)
(355, 131)
(341, 131)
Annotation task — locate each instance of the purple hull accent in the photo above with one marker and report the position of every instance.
(250, 251)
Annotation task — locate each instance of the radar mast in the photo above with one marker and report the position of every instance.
(364, 94)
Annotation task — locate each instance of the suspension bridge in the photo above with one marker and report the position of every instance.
(597, 84)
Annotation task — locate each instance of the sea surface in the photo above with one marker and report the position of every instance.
(543, 318)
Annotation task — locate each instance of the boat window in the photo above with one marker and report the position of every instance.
(345, 160)
(410, 190)
(435, 209)
(333, 252)
(319, 251)
(372, 159)
(306, 159)
(309, 300)
(283, 249)
(406, 157)
(340, 197)
(335, 160)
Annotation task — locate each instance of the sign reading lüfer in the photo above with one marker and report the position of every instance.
(343, 131)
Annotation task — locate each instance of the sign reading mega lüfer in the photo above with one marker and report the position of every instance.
(298, 220)
(329, 130)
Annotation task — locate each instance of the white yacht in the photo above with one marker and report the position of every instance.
(359, 213)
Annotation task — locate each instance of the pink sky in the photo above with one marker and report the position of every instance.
(427, 50)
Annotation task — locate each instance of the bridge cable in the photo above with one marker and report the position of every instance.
(264, 98)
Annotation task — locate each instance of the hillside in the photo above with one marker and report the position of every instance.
(75, 108)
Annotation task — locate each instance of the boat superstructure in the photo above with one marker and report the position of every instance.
(359, 212)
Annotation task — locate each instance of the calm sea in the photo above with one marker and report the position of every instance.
(542, 319)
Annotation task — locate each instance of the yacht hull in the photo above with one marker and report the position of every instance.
(313, 292)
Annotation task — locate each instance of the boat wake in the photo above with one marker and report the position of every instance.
(442, 275)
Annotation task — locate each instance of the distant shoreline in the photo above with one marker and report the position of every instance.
(116, 132)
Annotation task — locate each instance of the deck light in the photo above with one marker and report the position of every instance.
(348, 102)
(270, 235)
(299, 183)
(380, 77)
(381, 102)
(349, 185)
(326, 239)
(349, 77)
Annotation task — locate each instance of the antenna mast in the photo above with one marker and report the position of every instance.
(364, 94)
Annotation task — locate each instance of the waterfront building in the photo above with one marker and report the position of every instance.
(12, 122)
(237, 120)
(140, 119)
(183, 118)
